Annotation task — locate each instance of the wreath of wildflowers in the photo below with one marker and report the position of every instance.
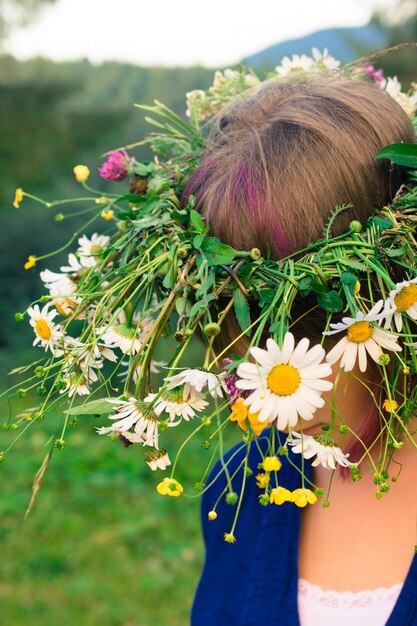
(156, 278)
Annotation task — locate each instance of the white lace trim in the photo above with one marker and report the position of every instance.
(348, 600)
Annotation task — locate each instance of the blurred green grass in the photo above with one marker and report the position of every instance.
(100, 547)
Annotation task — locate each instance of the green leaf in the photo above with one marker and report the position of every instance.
(266, 296)
(132, 198)
(400, 153)
(347, 278)
(355, 265)
(197, 241)
(206, 285)
(330, 301)
(217, 253)
(396, 252)
(170, 277)
(144, 169)
(202, 304)
(306, 285)
(95, 407)
(197, 221)
(242, 310)
(382, 222)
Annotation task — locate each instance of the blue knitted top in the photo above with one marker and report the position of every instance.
(254, 581)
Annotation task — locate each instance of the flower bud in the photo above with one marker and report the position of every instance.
(356, 226)
(212, 329)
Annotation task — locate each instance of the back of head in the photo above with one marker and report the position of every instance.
(282, 156)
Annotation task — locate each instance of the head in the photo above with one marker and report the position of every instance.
(283, 155)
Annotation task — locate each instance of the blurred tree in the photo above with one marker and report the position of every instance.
(18, 13)
(401, 19)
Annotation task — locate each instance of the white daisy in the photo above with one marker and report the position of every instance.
(402, 299)
(197, 379)
(325, 450)
(324, 60)
(120, 336)
(285, 383)
(90, 250)
(66, 306)
(157, 459)
(126, 337)
(113, 431)
(178, 403)
(73, 267)
(297, 63)
(393, 87)
(135, 416)
(76, 383)
(361, 337)
(47, 333)
(60, 285)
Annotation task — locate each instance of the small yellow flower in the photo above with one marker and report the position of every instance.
(170, 487)
(229, 537)
(212, 515)
(18, 197)
(357, 287)
(390, 405)
(81, 173)
(239, 413)
(107, 214)
(255, 424)
(271, 464)
(31, 262)
(262, 480)
(102, 200)
(406, 370)
(302, 497)
(279, 495)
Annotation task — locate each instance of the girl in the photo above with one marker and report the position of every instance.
(276, 165)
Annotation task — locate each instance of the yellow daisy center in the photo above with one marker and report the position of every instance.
(96, 249)
(359, 331)
(283, 380)
(405, 298)
(43, 330)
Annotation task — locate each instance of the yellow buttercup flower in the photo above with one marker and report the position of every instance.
(212, 515)
(107, 214)
(302, 497)
(357, 287)
(255, 424)
(262, 480)
(239, 413)
(279, 495)
(31, 262)
(18, 197)
(390, 405)
(81, 173)
(101, 200)
(170, 487)
(229, 537)
(271, 464)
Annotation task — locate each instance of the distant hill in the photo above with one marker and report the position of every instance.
(345, 44)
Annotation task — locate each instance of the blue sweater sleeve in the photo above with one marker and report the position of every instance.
(220, 594)
(239, 579)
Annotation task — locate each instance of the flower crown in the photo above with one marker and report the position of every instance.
(123, 312)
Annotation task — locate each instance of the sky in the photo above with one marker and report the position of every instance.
(178, 32)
